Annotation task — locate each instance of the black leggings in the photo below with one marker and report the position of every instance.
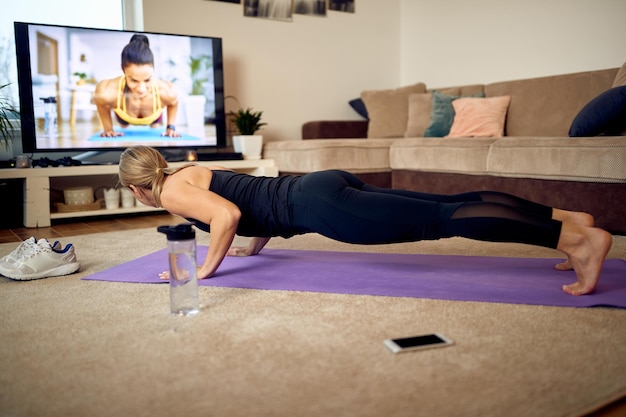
(340, 206)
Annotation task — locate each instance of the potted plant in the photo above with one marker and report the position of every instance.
(8, 113)
(81, 78)
(248, 122)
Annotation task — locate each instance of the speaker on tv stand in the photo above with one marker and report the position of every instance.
(8, 164)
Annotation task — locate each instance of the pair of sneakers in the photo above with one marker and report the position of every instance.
(35, 259)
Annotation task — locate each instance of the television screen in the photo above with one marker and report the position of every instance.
(87, 89)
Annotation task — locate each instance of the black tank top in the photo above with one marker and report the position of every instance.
(263, 202)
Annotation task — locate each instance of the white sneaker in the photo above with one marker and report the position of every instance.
(25, 248)
(41, 261)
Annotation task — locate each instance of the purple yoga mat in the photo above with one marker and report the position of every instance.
(461, 278)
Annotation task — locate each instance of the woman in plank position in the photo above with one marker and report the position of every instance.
(136, 97)
(340, 206)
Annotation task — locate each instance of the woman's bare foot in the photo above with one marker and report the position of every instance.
(564, 266)
(586, 249)
(576, 217)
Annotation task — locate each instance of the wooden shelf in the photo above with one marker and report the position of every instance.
(37, 186)
(102, 212)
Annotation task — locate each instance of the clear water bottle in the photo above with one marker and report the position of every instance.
(181, 247)
(50, 118)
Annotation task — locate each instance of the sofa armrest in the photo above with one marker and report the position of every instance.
(334, 129)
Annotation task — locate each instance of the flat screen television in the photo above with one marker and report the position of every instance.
(61, 68)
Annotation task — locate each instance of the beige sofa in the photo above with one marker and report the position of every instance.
(533, 156)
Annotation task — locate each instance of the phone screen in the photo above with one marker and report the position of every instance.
(417, 342)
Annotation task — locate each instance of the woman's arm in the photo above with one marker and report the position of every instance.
(253, 248)
(181, 197)
(223, 228)
(102, 100)
(169, 99)
(170, 130)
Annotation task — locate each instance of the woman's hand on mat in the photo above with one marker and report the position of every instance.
(253, 248)
(171, 133)
(165, 275)
(111, 134)
(204, 275)
(239, 251)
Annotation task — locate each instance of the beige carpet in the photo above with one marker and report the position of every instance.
(88, 348)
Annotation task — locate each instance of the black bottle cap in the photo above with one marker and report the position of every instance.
(183, 231)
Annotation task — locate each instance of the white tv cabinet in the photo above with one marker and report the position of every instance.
(37, 186)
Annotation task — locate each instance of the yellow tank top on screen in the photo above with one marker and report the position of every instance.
(120, 109)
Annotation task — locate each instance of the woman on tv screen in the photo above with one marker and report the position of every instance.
(136, 97)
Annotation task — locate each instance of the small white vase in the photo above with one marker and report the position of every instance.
(111, 198)
(250, 146)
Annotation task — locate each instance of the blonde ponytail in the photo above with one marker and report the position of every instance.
(145, 167)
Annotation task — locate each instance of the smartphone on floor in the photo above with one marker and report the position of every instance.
(425, 341)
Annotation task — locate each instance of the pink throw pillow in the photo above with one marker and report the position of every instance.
(479, 117)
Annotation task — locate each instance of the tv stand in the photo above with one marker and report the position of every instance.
(38, 182)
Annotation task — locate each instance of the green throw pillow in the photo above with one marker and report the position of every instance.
(442, 114)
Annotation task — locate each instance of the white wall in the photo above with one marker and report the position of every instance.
(452, 42)
(308, 69)
(294, 71)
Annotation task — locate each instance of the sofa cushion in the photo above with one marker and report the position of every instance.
(600, 159)
(546, 106)
(470, 90)
(479, 117)
(420, 108)
(453, 155)
(354, 155)
(620, 78)
(604, 115)
(388, 110)
(442, 114)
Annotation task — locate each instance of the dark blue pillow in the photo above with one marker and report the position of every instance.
(358, 106)
(604, 115)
